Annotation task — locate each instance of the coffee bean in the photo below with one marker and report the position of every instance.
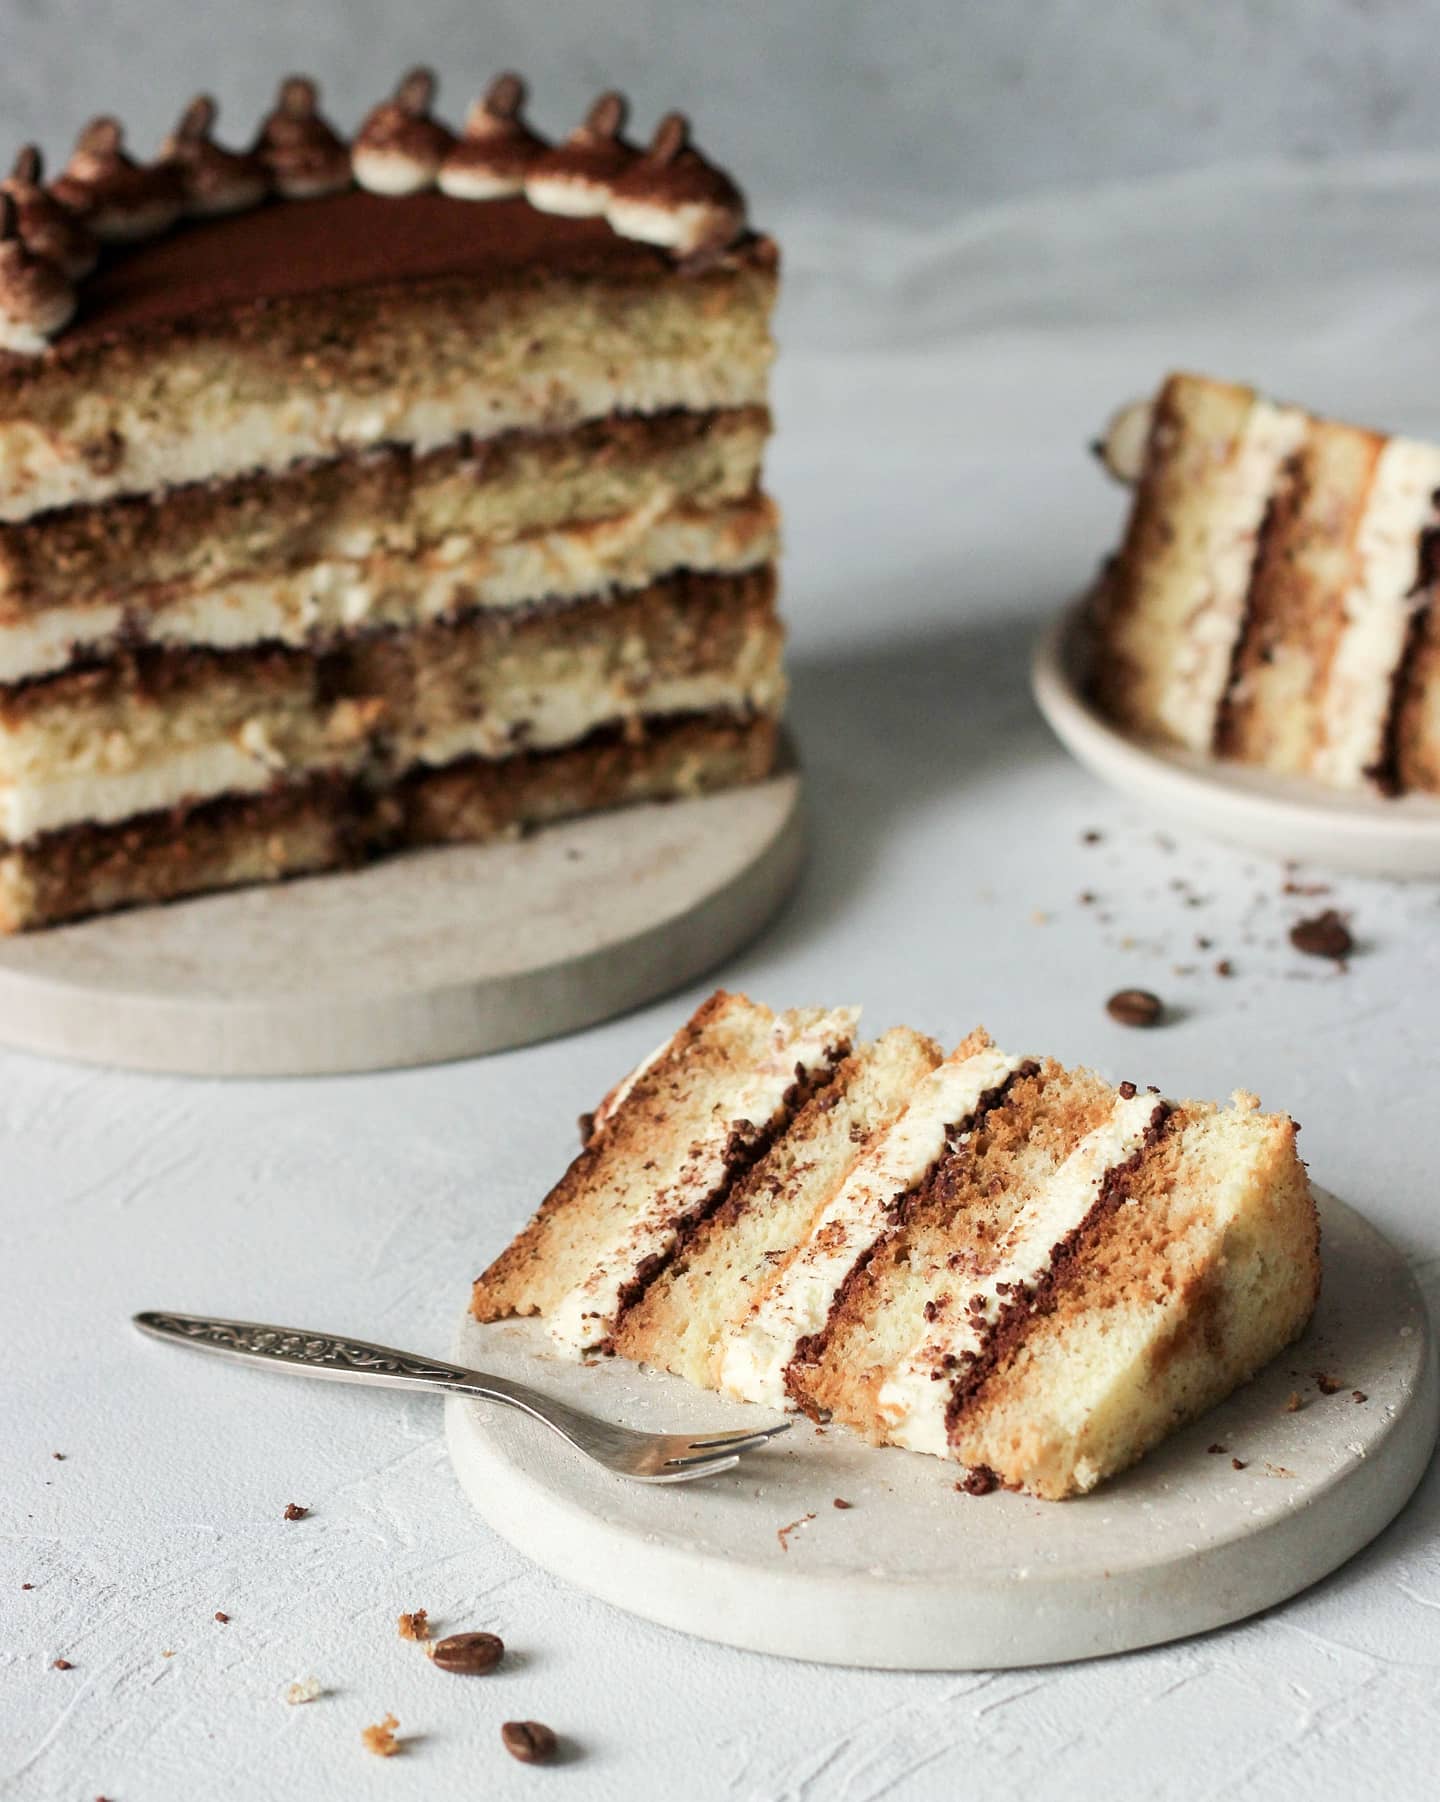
(1135, 1007)
(1326, 935)
(469, 1654)
(531, 1742)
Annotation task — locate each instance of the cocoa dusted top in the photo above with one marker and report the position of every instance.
(345, 242)
(395, 229)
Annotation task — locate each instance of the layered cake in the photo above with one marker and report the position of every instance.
(983, 1257)
(1272, 601)
(371, 492)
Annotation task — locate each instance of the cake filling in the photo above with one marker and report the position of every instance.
(798, 1304)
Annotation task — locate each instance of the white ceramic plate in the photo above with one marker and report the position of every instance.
(1284, 817)
(438, 954)
(915, 1576)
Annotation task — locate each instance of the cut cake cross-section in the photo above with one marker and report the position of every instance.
(984, 1257)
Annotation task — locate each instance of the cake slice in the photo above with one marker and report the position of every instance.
(1268, 603)
(986, 1258)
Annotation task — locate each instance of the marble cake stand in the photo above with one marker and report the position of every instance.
(914, 1576)
(440, 954)
(1361, 834)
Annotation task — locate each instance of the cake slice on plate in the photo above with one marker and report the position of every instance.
(1271, 601)
(984, 1257)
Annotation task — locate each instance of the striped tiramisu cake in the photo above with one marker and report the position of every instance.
(985, 1257)
(1272, 601)
(359, 494)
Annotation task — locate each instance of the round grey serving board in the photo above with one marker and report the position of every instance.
(437, 954)
(914, 1576)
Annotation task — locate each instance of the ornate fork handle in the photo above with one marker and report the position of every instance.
(342, 1360)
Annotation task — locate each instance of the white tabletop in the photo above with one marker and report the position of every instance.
(934, 401)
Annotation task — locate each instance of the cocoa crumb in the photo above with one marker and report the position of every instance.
(1356, 1395)
(979, 1481)
(840, 1502)
(380, 1739)
(293, 1511)
(1237, 1464)
(1217, 1447)
(1224, 967)
(222, 1617)
(59, 1457)
(62, 1664)
(1324, 935)
(783, 1533)
(1327, 1385)
(27, 1585)
(1092, 837)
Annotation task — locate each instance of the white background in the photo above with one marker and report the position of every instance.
(935, 396)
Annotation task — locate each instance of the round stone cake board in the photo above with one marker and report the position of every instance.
(1358, 833)
(437, 954)
(915, 1576)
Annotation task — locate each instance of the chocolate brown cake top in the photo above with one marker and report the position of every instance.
(205, 228)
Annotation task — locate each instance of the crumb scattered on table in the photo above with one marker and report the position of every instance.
(304, 1689)
(1277, 1470)
(783, 1533)
(1237, 1464)
(1327, 1385)
(1293, 1403)
(221, 1616)
(293, 1511)
(1356, 1395)
(415, 1626)
(1217, 1447)
(380, 1738)
(840, 1502)
(62, 1664)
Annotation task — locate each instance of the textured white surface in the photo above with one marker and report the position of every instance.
(939, 505)
(760, 1557)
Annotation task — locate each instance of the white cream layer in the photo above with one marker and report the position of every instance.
(586, 1316)
(225, 437)
(1379, 606)
(341, 595)
(799, 1302)
(1204, 653)
(242, 765)
(912, 1401)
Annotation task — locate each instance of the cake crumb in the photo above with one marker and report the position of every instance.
(840, 1502)
(1356, 1395)
(222, 1617)
(979, 1481)
(59, 1457)
(415, 1626)
(1237, 1464)
(293, 1511)
(1327, 1385)
(783, 1533)
(1294, 1404)
(1324, 935)
(62, 1664)
(1277, 1470)
(1217, 1447)
(380, 1738)
(304, 1689)
(1224, 967)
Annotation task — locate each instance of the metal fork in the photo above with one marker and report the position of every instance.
(643, 1457)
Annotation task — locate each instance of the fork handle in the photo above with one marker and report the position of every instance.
(339, 1359)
